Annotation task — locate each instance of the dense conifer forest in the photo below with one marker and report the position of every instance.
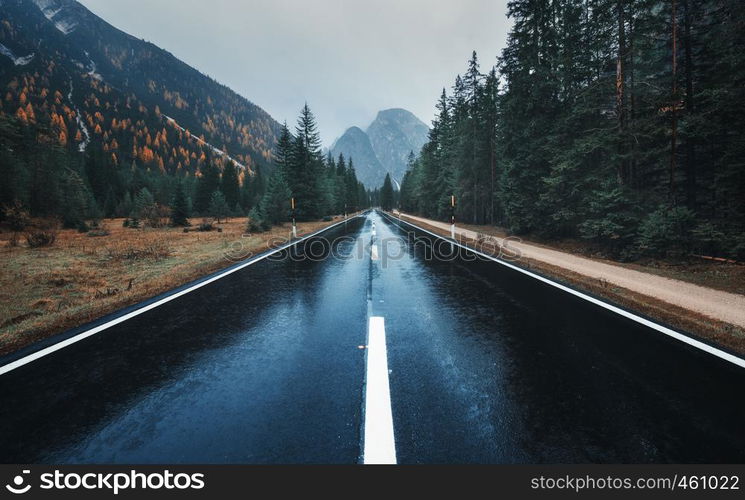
(96, 123)
(616, 121)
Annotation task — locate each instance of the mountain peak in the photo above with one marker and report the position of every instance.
(396, 113)
(355, 144)
(354, 130)
(384, 147)
(394, 134)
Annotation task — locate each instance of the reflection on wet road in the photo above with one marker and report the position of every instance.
(264, 366)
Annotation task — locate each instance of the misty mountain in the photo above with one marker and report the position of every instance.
(355, 144)
(93, 87)
(384, 147)
(394, 134)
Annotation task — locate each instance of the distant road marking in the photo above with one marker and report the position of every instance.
(83, 335)
(380, 444)
(648, 323)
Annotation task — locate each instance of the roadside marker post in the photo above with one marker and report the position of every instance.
(452, 220)
(294, 227)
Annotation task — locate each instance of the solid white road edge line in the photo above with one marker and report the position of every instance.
(651, 324)
(83, 335)
(380, 444)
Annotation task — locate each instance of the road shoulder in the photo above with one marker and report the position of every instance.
(708, 327)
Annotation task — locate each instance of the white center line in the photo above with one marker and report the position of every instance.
(374, 252)
(380, 444)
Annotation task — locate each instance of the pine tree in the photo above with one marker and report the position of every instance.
(125, 207)
(179, 207)
(208, 183)
(74, 200)
(529, 110)
(46, 173)
(257, 222)
(303, 171)
(109, 204)
(327, 188)
(218, 207)
(275, 205)
(341, 186)
(229, 184)
(350, 184)
(386, 193)
(143, 207)
(253, 189)
(407, 196)
(12, 168)
(283, 150)
(363, 199)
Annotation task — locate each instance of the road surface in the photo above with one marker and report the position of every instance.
(265, 366)
(716, 304)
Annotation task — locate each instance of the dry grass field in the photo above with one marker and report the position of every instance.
(79, 278)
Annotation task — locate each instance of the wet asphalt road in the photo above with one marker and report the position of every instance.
(264, 366)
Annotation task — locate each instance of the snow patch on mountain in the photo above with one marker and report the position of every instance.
(81, 124)
(213, 148)
(18, 61)
(53, 11)
(92, 68)
(66, 26)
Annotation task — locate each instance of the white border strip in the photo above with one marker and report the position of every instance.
(651, 324)
(380, 445)
(83, 335)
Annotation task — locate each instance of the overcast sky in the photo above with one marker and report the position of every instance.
(347, 58)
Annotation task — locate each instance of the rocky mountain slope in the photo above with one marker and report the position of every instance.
(384, 147)
(94, 87)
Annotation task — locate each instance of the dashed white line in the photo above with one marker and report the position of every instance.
(379, 440)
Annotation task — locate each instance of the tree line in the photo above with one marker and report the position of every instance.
(617, 121)
(47, 180)
(319, 185)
